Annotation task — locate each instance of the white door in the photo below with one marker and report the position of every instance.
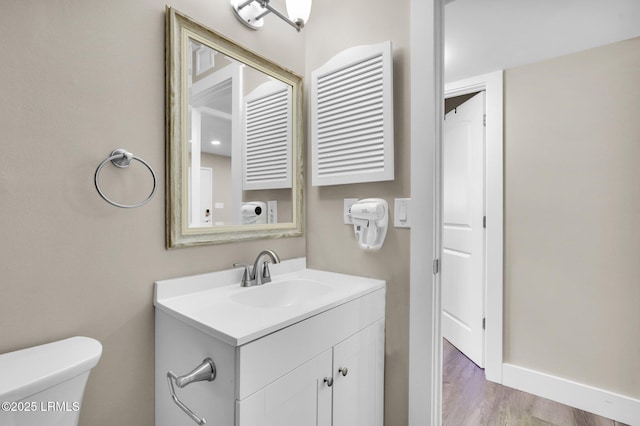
(203, 205)
(206, 196)
(463, 230)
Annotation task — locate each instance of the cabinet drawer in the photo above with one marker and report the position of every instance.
(264, 360)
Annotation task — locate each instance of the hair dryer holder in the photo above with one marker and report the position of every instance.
(370, 218)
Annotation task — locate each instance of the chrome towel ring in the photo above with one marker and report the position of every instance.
(122, 158)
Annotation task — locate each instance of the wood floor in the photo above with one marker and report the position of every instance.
(469, 400)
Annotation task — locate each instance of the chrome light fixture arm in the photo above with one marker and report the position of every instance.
(298, 24)
(251, 12)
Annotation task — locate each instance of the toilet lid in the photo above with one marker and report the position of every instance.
(29, 371)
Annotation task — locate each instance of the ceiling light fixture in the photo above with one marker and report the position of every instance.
(215, 142)
(251, 12)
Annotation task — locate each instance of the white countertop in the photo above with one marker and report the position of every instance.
(209, 301)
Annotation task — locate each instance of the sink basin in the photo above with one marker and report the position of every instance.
(281, 294)
(217, 305)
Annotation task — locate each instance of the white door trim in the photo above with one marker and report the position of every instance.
(492, 83)
(425, 346)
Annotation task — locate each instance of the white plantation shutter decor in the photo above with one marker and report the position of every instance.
(352, 117)
(267, 137)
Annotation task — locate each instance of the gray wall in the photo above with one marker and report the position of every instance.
(572, 217)
(79, 79)
(334, 26)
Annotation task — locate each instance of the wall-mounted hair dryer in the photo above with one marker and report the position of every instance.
(253, 212)
(370, 221)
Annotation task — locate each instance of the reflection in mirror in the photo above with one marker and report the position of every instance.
(239, 156)
(233, 140)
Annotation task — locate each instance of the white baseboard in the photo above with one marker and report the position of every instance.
(588, 398)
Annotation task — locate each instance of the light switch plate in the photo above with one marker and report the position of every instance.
(272, 212)
(402, 213)
(348, 202)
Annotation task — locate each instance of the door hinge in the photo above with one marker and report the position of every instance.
(484, 323)
(484, 120)
(484, 222)
(436, 266)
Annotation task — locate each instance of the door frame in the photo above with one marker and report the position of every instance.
(426, 36)
(492, 84)
(426, 82)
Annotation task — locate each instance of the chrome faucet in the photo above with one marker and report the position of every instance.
(258, 274)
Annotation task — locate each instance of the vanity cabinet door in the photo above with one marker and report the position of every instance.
(299, 398)
(358, 388)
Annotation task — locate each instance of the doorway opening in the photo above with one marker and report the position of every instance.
(491, 220)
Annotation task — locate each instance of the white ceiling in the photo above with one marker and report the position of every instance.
(487, 35)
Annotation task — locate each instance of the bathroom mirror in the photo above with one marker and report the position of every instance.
(234, 140)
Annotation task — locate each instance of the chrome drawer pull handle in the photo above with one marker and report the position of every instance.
(328, 381)
(343, 370)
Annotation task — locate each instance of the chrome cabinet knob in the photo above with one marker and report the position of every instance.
(343, 370)
(328, 381)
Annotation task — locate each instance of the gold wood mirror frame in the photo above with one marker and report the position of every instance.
(180, 32)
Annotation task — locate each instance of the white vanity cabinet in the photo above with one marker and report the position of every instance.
(343, 386)
(321, 368)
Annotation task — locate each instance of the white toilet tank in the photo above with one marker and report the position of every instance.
(44, 385)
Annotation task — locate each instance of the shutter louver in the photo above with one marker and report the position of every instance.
(267, 138)
(352, 117)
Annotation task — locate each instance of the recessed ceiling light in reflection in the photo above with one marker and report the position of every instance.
(215, 142)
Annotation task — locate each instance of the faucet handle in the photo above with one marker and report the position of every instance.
(245, 276)
(266, 274)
